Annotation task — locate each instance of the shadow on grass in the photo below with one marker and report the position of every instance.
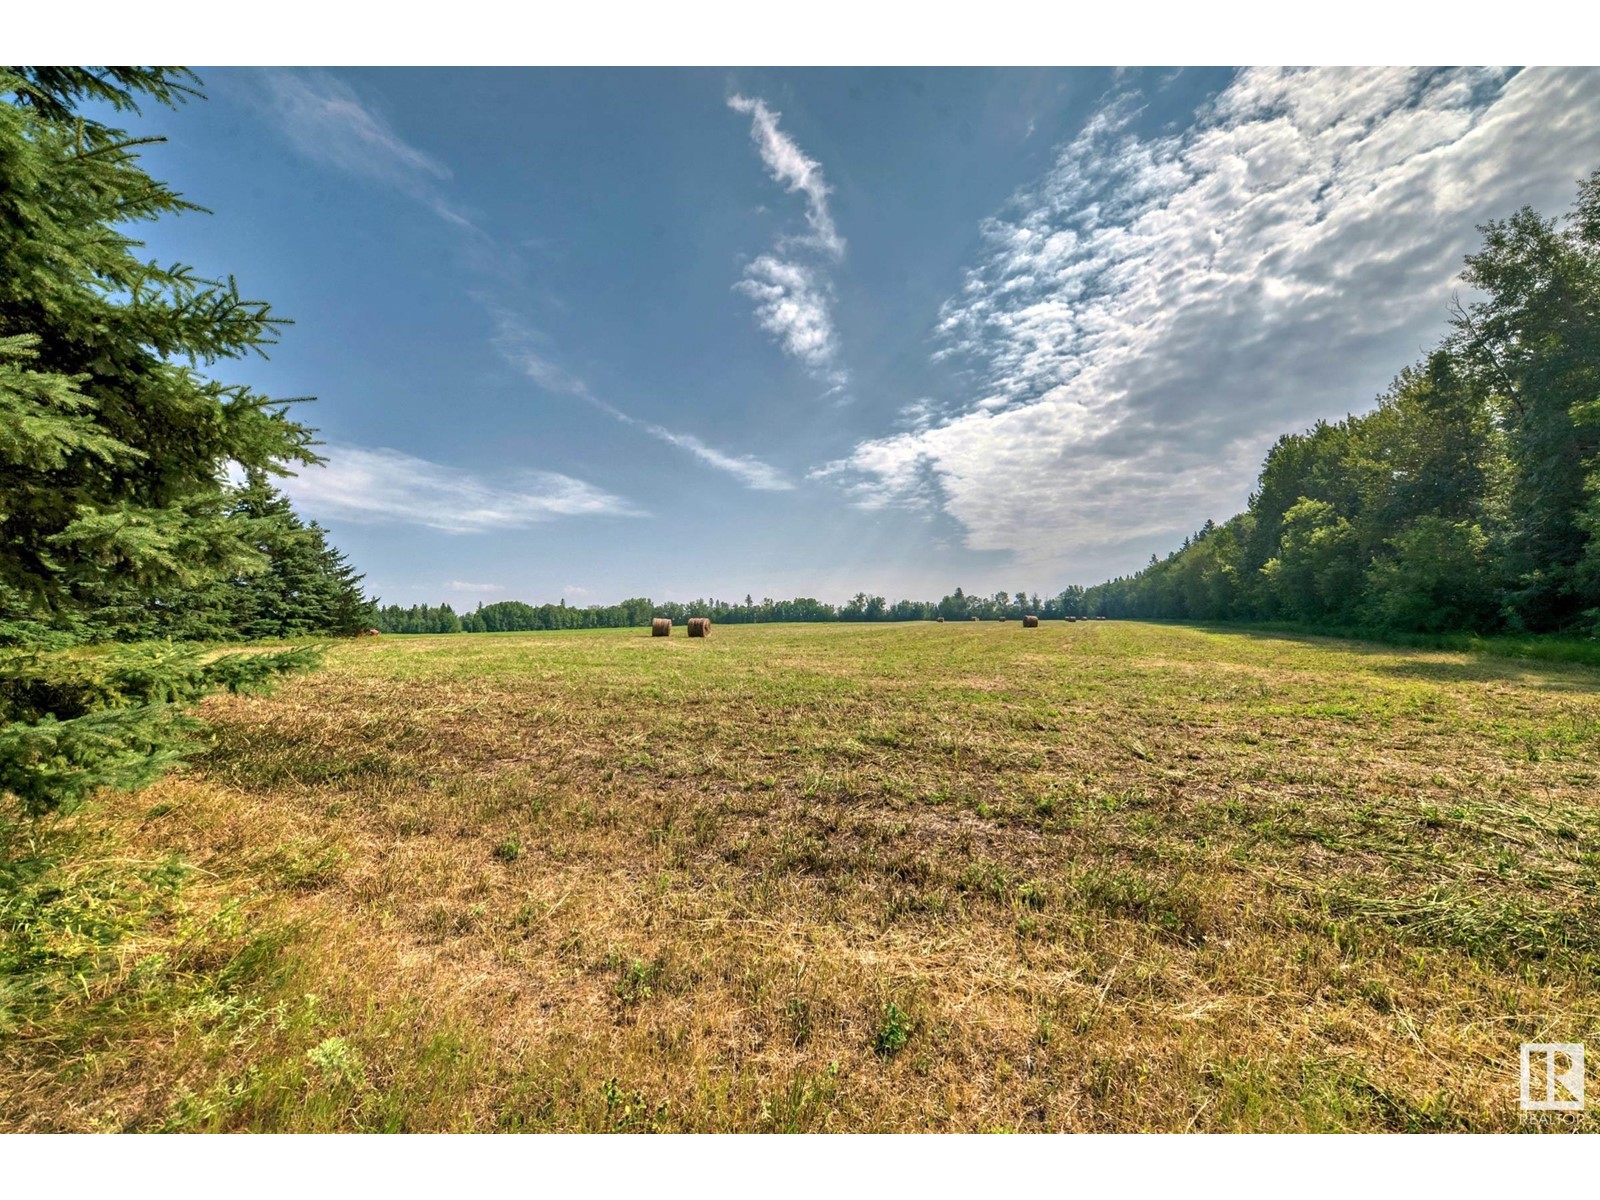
(1568, 677)
(260, 756)
(1566, 664)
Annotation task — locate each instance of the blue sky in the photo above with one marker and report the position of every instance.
(592, 333)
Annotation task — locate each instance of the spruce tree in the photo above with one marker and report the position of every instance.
(114, 441)
(308, 587)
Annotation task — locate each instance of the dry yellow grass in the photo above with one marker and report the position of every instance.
(922, 877)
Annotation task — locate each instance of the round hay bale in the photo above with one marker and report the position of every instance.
(660, 627)
(699, 626)
(972, 618)
(939, 620)
(1003, 620)
(1073, 619)
(1030, 621)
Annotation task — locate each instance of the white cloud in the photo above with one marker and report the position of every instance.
(793, 298)
(788, 164)
(456, 585)
(383, 486)
(792, 305)
(1155, 311)
(751, 472)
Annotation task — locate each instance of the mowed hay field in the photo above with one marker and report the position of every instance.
(1097, 876)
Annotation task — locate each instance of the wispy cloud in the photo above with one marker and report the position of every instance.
(1154, 311)
(325, 120)
(520, 346)
(526, 349)
(383, 486)
(457, 585)
(793, 296)
(750, 471)
(788, 165)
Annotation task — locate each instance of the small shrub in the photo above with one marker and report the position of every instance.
(1172, 909)
(984, 878)
(306, 865)
(894, 1031)
(798, 1010)
(337, 1061)
(1033, 895)
(630, 1110)
(637, 982)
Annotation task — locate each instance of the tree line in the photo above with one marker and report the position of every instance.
(1468, 500)
(513, 615)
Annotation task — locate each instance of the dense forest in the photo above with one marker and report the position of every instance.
(1468, 500)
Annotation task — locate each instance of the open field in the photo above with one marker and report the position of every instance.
(1098, 876)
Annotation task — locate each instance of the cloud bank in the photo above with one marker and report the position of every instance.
(1150, 315)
